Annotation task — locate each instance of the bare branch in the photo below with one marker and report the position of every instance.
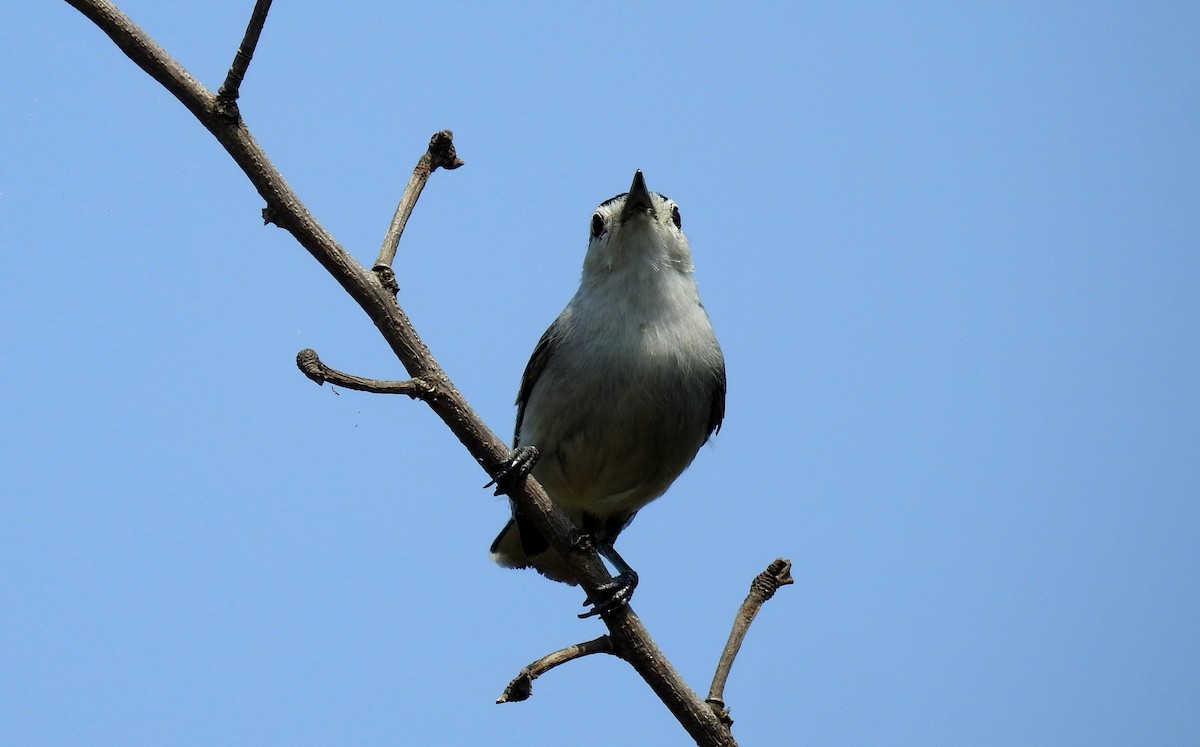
(146, 54)
(227, 94)
(762, 588)
(522, 685)
(314, 368)
(439, 154)
(629, 638)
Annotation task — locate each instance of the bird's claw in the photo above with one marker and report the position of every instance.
(520, 463)
(613, 597)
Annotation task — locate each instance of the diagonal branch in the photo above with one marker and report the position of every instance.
(227, 94)
(439, 154)
(630, 639)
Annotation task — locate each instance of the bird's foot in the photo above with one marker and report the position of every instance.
(519, 464)
(614, 596)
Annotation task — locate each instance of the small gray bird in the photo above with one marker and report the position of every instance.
(622, 390)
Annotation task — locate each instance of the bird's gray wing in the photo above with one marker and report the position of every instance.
(716, 412)
(533, 371)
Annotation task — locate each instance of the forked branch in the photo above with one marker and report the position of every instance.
(628, 638)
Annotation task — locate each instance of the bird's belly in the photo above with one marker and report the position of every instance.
(613, 445)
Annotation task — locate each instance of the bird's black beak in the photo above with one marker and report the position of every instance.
(638, 200)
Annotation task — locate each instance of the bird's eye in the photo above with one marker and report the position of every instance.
(675, 216)
(597, 225)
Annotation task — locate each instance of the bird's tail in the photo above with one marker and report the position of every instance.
(519, 545)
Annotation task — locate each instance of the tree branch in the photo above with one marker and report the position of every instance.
(439, 154)
(762, 588)
(314, 368)
(283, 208)
(522, 685)
(227, 94)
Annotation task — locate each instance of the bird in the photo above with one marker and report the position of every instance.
(621, 391)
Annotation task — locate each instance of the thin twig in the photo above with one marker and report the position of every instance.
(762, 588)
(439, 154)
(522, 685)
(314, 368)
(227, 94)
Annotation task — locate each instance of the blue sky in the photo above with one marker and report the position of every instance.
(952, 253)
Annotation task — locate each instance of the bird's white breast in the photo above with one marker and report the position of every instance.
(615, 413)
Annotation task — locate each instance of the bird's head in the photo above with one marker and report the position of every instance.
(637, 230)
